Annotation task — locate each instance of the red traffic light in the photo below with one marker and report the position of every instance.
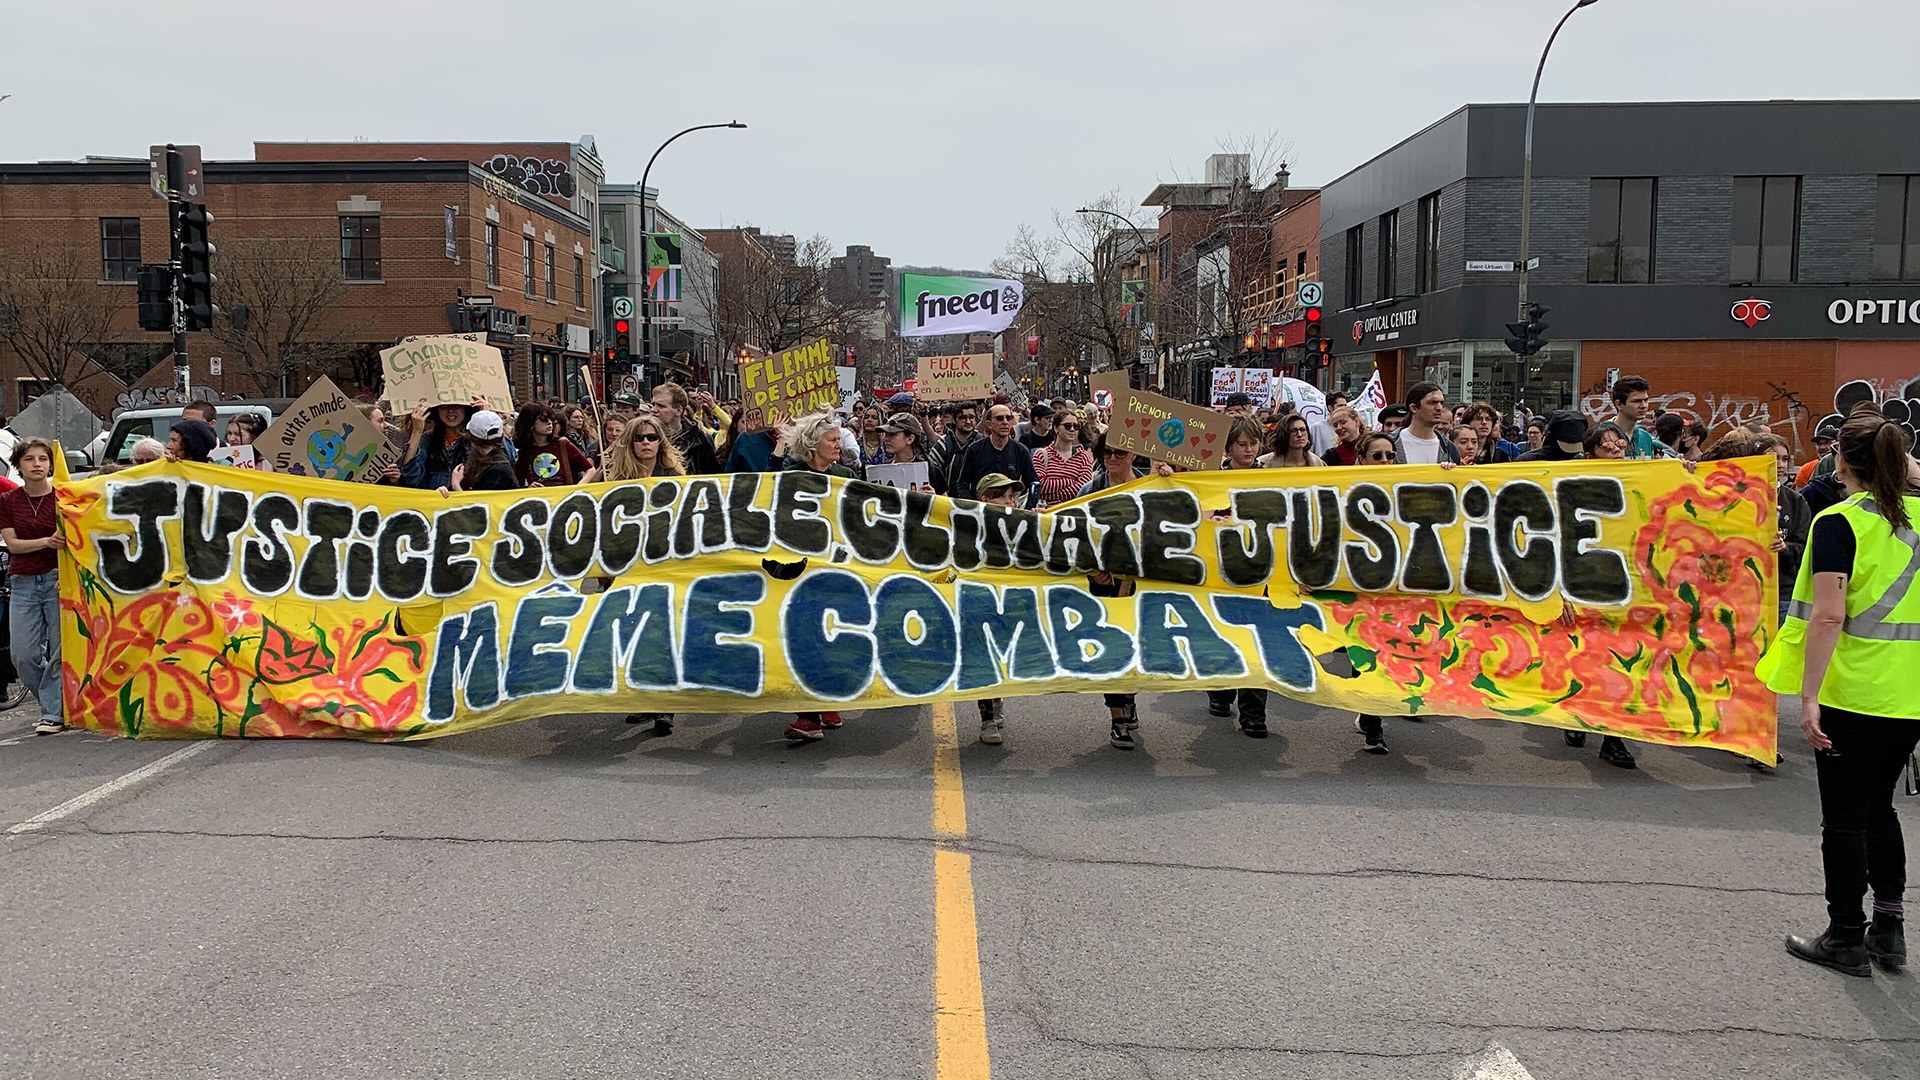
(1313, 314)
(620, 326)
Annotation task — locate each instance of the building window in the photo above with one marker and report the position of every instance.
(1620, 216)
(360, 248)
(493, 254)
(1896, 230)
(551, 294)
(1300, 268)
(1166, 259)
(119, 248)
(1427, 268)
(1389, 252)
(526, 264)
(579, 282)
(1356, 250)
(1766, 228)
(1280, 283)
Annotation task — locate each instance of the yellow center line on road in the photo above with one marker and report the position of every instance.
(960, 1012)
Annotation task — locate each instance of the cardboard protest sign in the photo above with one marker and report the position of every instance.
(776, 388)
(956, 378)
(1160, 427)
(325, 435)
(1226, 380)
(1258, 384)
(912, 474)
(240, 457)
(447, 369)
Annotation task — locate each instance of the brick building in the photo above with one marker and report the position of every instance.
(1751, 259)
(325, 262)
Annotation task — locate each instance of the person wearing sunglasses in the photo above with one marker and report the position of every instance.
(1378, 449)
(1064, 464)
(643, 451)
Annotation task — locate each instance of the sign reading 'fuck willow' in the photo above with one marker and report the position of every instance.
(201, 601)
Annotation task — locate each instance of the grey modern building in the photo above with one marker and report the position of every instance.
(1749, 258)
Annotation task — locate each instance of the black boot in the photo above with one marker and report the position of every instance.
(1841, 948)
(1887, 942)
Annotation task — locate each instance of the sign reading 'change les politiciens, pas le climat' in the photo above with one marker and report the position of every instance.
(206, 601)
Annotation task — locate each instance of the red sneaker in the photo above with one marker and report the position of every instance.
(830, 720)
(803, 730)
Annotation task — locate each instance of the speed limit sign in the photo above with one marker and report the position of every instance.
(1310, 294)
(623, 307)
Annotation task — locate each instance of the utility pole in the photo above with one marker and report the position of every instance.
(182, 370)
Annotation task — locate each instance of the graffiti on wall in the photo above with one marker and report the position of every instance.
(1784, 413)
(551, 177)
(1899, 400)
(153, 396)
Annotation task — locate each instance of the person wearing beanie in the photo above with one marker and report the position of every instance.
(191, 440)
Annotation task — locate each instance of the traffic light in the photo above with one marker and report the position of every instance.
(1319, 349)
(1529, 337)
(622, 341)
(155, 282)
(196, 266)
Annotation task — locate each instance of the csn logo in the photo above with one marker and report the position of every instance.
(1753, 311)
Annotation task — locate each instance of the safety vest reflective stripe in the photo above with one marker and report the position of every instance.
(1871, 624)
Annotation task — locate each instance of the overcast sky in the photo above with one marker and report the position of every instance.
(928, 130)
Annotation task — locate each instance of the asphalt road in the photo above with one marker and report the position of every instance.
(571, 897)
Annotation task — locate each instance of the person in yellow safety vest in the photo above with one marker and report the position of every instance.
(1849, 647)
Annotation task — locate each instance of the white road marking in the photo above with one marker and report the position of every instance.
(117, 784)
(1496, 1062)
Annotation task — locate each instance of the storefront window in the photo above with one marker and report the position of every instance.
(1351, 373)
(1548, 381)
(1445, 364)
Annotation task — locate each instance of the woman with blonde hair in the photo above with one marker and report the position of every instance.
(642, 451)
(1350, 433)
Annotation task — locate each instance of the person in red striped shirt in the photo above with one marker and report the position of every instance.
(1065, 464)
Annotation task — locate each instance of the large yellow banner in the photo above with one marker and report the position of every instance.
(1632, 598)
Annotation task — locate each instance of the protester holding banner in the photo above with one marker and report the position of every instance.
(999, 490)
(487, 467)
(1421, 442)
(545, 458)
(812, 444)
(1605, 443)
(1292, 444)
(673, 409)
(998, 453)
(1064, 465)
(1244, 438)
(29, 526)
(1348, 431)
(944, 461)
(437, 444)
(1244, 441)
(191, 440)
(1466, 442)
(643, 452)
(1848, 649)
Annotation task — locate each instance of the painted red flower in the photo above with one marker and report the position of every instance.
(235, 613)
(284, 658)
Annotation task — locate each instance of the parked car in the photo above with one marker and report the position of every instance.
(157, 423)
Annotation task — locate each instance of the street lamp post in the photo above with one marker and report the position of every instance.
(1526, 167)
(646, 231)
(1526, 193)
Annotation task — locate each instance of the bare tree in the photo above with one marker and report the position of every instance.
(53, 307)
(1074, 282)
(279, 297)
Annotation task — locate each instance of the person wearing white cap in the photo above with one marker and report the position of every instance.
(487, 467)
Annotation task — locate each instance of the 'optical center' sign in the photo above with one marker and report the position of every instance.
(1845, 312)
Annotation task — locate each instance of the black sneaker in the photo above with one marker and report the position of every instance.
(1219, 708)
(1613, 751)
(1253, 729)
(1575, 739)
(1129, 716)
(1122, 737)
(1375, 743)
(636, 717)
(663, 724)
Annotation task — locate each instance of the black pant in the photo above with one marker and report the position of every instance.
(1253, 703)
(1860, 842)
(1117, 701)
